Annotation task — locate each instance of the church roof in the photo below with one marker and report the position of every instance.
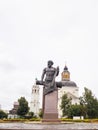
(66, 68)
(69, 83)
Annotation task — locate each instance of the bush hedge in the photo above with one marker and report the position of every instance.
(39, 119)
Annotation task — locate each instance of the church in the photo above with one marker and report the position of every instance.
(69, 87)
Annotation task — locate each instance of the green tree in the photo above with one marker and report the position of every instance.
(75, 110)
(23, 107)
(89, 103)
(31, 114)
(3, 114)
(65, 104)
(41, 113)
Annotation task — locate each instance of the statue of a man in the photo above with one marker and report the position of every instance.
(50, 74)
(50, 93)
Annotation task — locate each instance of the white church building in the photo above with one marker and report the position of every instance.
(69, 87)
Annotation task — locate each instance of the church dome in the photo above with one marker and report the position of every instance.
(65, 78)
(65, 75)
(65, 68)
(69, 83)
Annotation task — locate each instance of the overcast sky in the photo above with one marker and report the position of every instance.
(35, 31)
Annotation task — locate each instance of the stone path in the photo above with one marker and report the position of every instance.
(40, 126)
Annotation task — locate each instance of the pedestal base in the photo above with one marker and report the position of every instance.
(51, 107)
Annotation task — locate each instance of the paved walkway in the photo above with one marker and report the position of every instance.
(40, 126)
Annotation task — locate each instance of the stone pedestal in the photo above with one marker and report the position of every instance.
(50, 107)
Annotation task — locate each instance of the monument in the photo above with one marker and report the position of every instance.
(50, 93)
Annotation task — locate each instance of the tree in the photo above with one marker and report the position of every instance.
(3, 114)
(90, 103)
(65, 104)
(31, 114)
(23, 107)
(75, 110)
(40, 113)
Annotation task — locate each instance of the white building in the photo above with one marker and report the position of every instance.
(69, 87)
(34, 104)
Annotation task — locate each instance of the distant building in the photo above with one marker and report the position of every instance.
(13, 112)
(34, 105)
(70, 88)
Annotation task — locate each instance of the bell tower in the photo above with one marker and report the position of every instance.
(34, 105)
(65, 75)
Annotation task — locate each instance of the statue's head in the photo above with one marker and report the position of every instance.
(50, 63)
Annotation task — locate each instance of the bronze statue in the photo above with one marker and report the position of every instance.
(50, 92)
(50, 74)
